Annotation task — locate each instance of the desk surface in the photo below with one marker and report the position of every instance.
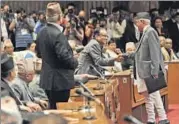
(98, 113)
(91, 85)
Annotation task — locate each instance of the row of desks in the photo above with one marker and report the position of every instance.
(120, 96)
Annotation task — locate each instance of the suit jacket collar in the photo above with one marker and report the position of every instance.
(6, 86)
(56, 25)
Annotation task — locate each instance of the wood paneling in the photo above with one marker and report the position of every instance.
(173, 83)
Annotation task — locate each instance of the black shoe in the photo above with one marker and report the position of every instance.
(164, 122)
(151, 123)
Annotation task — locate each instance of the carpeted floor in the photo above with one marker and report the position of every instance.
(173, 114)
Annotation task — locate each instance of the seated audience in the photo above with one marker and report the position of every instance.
(167, 51)
(92, 54)
(7, 76)
(21, 83)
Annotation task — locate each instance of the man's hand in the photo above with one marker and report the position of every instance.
(33, 106)
(44, 104)
(119, 58)
(25, 108)
(118, 51)
(88, 76)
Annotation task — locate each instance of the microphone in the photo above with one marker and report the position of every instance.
(80, 92)
(132, 119)
(101, 75)
(85, 88)
(93, 68)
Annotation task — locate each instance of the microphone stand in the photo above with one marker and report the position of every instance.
(99, 86)
(86, 104)
(89, 114)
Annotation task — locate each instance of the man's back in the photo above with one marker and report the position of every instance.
(58, 63)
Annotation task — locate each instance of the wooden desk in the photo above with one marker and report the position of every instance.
(173, 82)
(100, 116)
(91, 85)
(126, 99)
(122, 102)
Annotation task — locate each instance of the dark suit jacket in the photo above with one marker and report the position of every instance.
(173, 33)
(129, 33)
(58, 63)
(5, 86)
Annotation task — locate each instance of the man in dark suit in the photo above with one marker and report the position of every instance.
(173, 29)
(130, 33)
(58, 62)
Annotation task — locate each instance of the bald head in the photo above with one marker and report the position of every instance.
(101, 35)
(8, 47)
(82, 13)
(130, 47)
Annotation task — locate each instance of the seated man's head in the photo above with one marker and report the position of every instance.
(162, 41)
(130, 47)
(101, 35)
(7, 67)
(112, 45)
(26, 69)
(168, 43)
(8, 47)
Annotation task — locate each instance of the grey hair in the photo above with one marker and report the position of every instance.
(146, 21)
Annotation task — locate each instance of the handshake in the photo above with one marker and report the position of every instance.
(121, 56)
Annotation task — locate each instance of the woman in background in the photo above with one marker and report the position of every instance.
(157, 24)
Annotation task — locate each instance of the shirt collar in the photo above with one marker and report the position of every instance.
(57, 25)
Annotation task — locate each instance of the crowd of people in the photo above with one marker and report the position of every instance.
(43, 54)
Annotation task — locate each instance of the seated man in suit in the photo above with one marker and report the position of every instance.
(34, 86)
(21, 82)
(167, 50)
(7, 76)
(92, 54)
(128, 62)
